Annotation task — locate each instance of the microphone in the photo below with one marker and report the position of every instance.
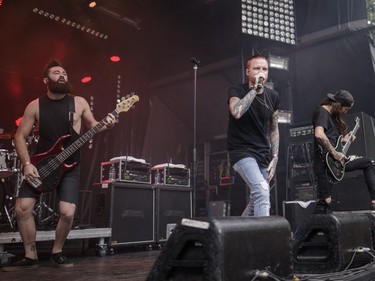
(194, 60)
(260, 83)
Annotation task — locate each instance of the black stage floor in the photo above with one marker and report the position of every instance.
(128, 265)
(134, 264)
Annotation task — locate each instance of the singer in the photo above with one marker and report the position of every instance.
(253, 134)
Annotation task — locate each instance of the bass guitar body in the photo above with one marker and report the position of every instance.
(50, 170)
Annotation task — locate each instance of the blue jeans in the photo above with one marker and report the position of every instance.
(255, 177)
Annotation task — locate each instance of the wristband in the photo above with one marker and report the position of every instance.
(26, 163)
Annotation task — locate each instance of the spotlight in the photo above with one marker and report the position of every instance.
(86, 79)
(278, 62)
(284, 116)
(278, 15)
(68, 22)
(92, 4)
(115, 58)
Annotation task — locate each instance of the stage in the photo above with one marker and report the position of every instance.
(134, 264)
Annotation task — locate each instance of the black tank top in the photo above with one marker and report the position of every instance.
(54, 123)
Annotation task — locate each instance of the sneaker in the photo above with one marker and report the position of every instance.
(25, 263)
(60, 260)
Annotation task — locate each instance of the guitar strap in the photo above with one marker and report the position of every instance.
(72, 109)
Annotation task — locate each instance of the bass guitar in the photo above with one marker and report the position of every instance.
(50, 164)
(336, 169)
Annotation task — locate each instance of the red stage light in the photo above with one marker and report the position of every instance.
(18, 121)
(86, 79)
(115, 58)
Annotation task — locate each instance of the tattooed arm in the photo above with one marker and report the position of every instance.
(275, 138)
(238, 106)
(324, 141)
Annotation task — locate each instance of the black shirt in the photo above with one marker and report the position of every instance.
(248, 136)
(322, 118)
(54, 123)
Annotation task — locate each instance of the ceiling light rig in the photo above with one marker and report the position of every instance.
(70, 23)
(270, 19)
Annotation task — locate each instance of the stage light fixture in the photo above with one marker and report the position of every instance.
(278, 62)
(86, 79)
(92, 4)
(70, 23)
(115, 58)
(284, 116)
(271, 19)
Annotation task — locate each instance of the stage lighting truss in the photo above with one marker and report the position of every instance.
(271, 19)
(70, 23)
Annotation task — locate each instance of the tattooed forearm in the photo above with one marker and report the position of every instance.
(239, 106)
(275, 137)
(327, 145)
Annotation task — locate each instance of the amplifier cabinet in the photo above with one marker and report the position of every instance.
(172, 205)
(218, 209)
(126, 171)
(128, 209)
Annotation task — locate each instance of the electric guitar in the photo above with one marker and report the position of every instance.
(336, 168)
(50, 164)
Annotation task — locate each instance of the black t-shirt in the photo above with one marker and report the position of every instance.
(54, 123)
(322, 118)
(248, 136)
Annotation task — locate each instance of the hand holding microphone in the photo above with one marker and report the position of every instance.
(259, 84)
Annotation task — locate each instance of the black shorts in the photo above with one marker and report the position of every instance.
(67, 191)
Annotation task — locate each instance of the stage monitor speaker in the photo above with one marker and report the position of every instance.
(172, 204)
(329, 243)
(126, 208)
(228, 248)
(296, 212)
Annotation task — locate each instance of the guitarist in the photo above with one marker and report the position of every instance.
(328, 127)
(56, 114)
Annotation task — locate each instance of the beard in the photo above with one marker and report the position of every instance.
(57, 87)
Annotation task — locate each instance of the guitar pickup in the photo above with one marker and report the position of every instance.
(35, 182)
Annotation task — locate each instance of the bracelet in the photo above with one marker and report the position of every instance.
(274, 155)
(26, 163)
